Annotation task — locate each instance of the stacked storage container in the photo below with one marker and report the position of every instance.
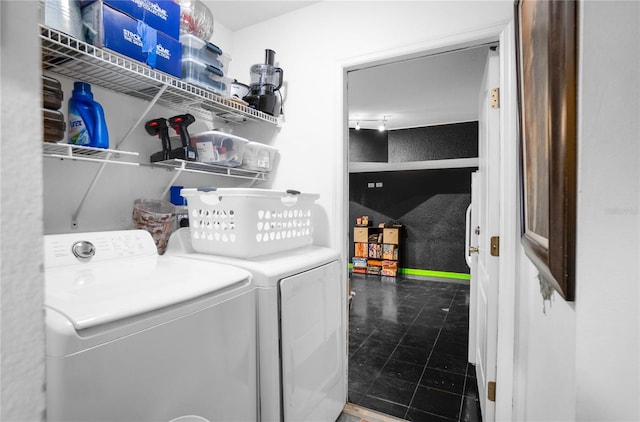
(53, 120)
(204, 64)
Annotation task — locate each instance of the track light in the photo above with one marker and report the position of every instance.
(381, 127)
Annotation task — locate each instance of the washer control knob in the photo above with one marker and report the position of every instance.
(83, 250)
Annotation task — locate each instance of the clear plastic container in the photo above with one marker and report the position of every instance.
(258, 157)
(195, 19)
(206, 76)
(245, 223)
(205, 52)
(213, 147)
(54, 125)
(52, 94)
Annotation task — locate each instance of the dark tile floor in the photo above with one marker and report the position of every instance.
(408, 349)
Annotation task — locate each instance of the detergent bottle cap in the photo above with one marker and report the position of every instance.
(82, 88)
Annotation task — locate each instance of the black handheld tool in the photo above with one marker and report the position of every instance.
(159, 127)
(180, 123)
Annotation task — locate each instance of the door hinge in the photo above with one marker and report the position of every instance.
(495, 245)
(495, 98)
(491, 390)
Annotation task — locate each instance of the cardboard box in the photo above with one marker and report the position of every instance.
(389, 264)
(116, 31)
(391, 235)
(361, 234)
(390, 251)
(389, 268)
(360, 250)
(163, 15)
(374, 270)
(389, 272)
(375, 250)
(359, 262)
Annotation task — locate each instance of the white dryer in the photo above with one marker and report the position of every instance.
(301, 329)
(133, 336)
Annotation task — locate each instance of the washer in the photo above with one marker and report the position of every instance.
(301, 329)
(133, 336)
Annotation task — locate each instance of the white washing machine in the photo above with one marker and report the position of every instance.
(302, 348)
(133, 336)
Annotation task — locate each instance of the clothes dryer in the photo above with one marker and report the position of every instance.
(133, 336)
(301, 308)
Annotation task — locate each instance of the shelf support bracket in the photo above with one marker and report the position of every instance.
(177, 173)
(74, 217)
(144, 114)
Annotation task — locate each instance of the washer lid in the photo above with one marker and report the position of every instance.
(97, 293)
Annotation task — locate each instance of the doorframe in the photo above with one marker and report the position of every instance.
(504, 34)
(509, 226)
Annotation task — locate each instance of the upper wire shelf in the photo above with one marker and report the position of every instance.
(70, 57)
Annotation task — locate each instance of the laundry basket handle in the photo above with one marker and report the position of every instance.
(291, 199)
(209, 199)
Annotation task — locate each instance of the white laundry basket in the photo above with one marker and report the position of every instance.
(243, 223)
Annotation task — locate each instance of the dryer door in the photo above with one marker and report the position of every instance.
(313, 344)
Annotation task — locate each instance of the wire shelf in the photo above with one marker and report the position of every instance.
(70, 57)
(196, 167)
(82, 153)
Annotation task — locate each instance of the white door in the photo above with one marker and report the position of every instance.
(313, 345)
(471, 256)
(488, 212)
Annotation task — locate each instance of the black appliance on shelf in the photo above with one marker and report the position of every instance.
(266, 80)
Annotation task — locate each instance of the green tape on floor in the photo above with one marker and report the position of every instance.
(431, 273)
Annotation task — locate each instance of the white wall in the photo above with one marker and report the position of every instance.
(22, 369)
(579, 361)
(607, 292)
(545, 353)
(311, 45)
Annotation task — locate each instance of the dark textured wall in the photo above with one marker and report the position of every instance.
(431, 204)
(366, 145)
(459, 140)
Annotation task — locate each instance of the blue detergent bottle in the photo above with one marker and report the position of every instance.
(87, 125)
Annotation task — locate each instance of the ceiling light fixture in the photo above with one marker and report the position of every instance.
(381, 127)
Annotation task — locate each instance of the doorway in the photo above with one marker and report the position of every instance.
(394, 292)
